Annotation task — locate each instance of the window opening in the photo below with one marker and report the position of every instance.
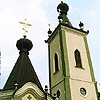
(78, 59)
(56, 62)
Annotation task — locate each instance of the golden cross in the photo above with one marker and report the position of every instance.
(49, 25)
(25, 25)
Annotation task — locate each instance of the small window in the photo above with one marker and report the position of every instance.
(56, 62)
(78, 59)
(83, 91)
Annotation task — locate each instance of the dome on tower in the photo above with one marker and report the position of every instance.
(23, 70)
(24, 45)
(62, 7)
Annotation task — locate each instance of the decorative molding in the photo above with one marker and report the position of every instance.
(30, 86)
(6, 94)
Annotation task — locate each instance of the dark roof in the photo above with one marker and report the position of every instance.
(22, 73)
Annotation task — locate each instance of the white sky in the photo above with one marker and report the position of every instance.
(39, 13)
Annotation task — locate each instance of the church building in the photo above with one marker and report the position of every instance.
(71, 75)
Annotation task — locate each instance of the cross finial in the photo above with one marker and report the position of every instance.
(25, 26)
(49, 25)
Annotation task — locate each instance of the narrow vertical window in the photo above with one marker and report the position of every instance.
(56, 62)
(78, 59)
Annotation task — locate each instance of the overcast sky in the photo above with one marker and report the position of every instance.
(39, 13)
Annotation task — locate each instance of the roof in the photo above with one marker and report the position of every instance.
(22, 73)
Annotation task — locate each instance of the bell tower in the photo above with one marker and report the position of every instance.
(71, 74)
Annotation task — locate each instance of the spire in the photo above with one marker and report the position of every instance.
(62, 9)
(23, 70)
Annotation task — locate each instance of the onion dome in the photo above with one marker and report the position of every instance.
(62, 8)
(24, 45)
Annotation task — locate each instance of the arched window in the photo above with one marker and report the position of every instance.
(56, 62)
(78, 59)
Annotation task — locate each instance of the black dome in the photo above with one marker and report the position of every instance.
(63, 7)
(24, 44)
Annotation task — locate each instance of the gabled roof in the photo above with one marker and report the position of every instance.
(23, 70)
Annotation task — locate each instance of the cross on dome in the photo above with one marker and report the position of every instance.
(49, 24)
(25, 26)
